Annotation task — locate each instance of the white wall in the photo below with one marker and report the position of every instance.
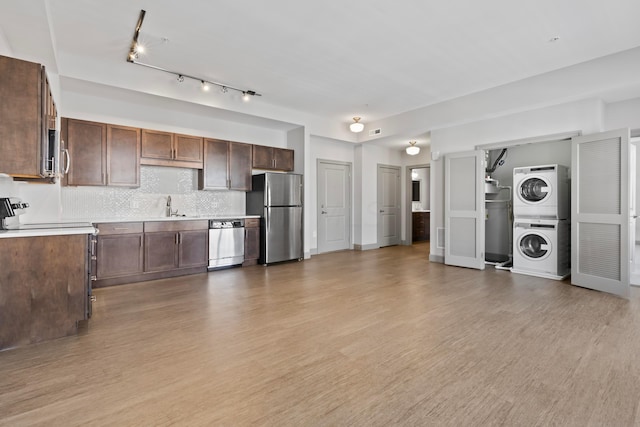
(624, 114)
(128, 108)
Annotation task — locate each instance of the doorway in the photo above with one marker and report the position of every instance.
(334, 206)
(388, 205)
(418, 204)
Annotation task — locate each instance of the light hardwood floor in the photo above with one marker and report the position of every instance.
(372, 338)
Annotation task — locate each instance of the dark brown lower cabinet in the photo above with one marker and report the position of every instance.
(44, 288)
(139, 251)
(175, 245)
(190, 252)
(420, 226)
(251, 241)
(160, 251)
(119, 251)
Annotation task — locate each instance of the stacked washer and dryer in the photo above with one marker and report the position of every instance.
(542, 221)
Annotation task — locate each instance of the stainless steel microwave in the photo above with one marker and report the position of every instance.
(50, 150)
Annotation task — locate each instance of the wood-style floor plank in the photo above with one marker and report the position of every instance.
(373, 338)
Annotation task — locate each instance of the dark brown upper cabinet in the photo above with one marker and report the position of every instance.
(272, 158)
(27, 112)
(101, 154)
(169, 149)
(227, 166)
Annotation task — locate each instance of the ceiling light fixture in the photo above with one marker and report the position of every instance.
(135, 49)
(245, 96)
(412, 150)
(356, 126)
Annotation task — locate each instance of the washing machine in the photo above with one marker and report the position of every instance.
(541, 192)
(541, 247)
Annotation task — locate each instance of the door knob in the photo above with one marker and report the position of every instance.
(381, 211)
(323, 212)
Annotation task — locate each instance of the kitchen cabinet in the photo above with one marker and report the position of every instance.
(101, 154)
(44, 288)
(27, 112)
(420, 226)
(119, 251)
(251, 241)
(171, 245)
(272, 158)
(227, 165)
(169, 149)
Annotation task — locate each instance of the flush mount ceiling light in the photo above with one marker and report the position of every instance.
(356, 126)
(136, 49)
(412, 150)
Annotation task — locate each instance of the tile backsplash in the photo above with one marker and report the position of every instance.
(150, 199)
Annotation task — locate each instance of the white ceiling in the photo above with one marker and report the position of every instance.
(333, 59)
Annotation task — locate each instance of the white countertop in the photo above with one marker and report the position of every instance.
(84, 226)
(173, 218)
(48, 230)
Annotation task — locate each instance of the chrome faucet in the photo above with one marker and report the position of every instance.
(168, 210)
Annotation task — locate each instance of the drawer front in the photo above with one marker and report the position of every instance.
(153, 226)
(119, 227)
(251, 222)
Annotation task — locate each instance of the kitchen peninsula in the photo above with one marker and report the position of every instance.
(44, 283)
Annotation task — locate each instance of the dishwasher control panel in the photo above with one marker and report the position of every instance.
(226, 223)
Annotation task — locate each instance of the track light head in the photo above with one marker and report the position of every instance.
(180, 78)
(205, 86)
(224, 89)
(245, 96)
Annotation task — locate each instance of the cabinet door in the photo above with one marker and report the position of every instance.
(262, 157)
(20, 117)
(240, 161)
(157, 145)
(251, 243)
(123, 156)
(187, 148)
(283, 159)
(87, 145)
(214, 175)
(160, 251)
(193, 248)
(119, 255)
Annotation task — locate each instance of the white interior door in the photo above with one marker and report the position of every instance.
(388, 205)
(601, 212)
(334, 206)
(464, 212)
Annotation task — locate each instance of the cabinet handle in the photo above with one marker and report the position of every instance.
(68, 162)
(120, 228)
(176, 238)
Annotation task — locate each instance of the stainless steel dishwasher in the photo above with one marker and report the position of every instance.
(226, 243)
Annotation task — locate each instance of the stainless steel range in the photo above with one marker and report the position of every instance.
(226, 243)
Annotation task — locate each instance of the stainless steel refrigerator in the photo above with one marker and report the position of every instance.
(277, 198)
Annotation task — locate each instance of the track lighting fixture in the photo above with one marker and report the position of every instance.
(412, 150)
(135, 49)
(356, 126)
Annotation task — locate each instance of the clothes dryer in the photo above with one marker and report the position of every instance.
(541, 192)
(541, 248)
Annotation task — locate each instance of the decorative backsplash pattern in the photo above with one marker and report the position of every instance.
(150, 199)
